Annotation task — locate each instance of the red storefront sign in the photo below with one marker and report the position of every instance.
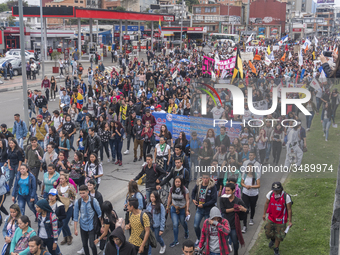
(296, 30)
(126, 37)
(156, 35)
(116, 34)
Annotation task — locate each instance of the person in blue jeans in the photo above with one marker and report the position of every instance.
(179, 200)
(326, 119)
(119, 134)
(25, 190)
(15, 158)
(157, 210)
(204, 196)
(228, 203)
(112, 142)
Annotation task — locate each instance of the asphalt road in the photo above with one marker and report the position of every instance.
(115, 180)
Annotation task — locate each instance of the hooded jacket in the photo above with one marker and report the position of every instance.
(223, 229)
(125, 249)
(211, 194)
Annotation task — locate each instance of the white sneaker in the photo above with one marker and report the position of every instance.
(230, 248)
(324, 134)
(197, 242)
(244, 229)
(108, 160)
(251, 222)
(162, 250)
(53, 99)
(126, 152)
(326, 140)
(81, 251)
(144, 164)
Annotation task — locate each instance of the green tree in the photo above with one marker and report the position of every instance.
(12, 3)
(10, 20)
(119, 8)
(3, 7)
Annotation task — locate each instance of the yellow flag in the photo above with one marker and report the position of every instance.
(268, 50)
(240, 65)
(302, 95)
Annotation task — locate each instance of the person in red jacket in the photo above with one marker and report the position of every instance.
(46, 84)
(215, 233)
(150, 118)
(146, 134)
(279, 208)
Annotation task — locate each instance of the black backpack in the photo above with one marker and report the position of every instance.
(152, 238)
(285, 197)
(96, 221)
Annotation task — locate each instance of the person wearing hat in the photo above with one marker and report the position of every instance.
(5, 131)
(41, 130)
(278, 206)
(47, 225)
(215, 233)
(159, 109)
(58, 208)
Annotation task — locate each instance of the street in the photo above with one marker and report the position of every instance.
(114, 184)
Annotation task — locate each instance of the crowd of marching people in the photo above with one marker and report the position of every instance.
(54, 164)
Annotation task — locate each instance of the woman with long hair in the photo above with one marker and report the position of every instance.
(326, 119)
(183, 142)
(250, 192)
(156, 208)
(33, 127)
(47, 226)
(146, 134)
(77, 168)
(61, 162)
(119, 137)
(133, 191)
(15, 159)
(162, 154)
(73, 111)
(277, 137)
(205, 154)
(211, 137)
(261, 143)
(220, 154)
(93, 169)
(178, 205)
(166, 134)
(10, 225)
(237, 144)
(69, 193)
(22, 234)
(108, 219)
(58, 208)
(104, 133)
(25, 189)
(52, 136)
(112, 143)
(3, 152)
(50, 177)
(64, 143)
(81, 141)
(54, 88)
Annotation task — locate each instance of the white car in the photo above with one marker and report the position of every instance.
(16, 53)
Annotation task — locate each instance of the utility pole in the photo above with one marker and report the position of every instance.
(42, 55)
(247, 19)
(182, 12)
(23, 61)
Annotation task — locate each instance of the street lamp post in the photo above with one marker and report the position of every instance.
(182, 11)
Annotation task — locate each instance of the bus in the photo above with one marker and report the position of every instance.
(224, 37)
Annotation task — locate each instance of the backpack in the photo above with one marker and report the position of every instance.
(96, 221)
(152, 238)
(285, 197)
(154, 168)
(144, 201)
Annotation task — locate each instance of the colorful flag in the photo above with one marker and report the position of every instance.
(306, 49)
(268, 50)
(283, 57)
(252, 67)
(316, 42)
(160, 27)
(250, 38)
(283, 39)
(238, 70)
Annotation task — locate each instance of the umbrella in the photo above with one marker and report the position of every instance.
(184, 60)
(260, 36)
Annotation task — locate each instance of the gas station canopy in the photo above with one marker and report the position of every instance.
(84, 13)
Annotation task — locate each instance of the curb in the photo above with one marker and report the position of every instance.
(260, 227)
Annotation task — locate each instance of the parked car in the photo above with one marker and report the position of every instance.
(16, 64)
(16, 53)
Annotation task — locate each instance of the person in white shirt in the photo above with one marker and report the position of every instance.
(61, 66)
(217, 111)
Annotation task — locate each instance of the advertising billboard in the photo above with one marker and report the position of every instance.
(325, 1)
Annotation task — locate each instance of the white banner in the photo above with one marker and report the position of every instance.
(314, 83)
(254, 48)
(246, 56)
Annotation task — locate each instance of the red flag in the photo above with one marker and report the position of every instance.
(256, 51)
(286, 47)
